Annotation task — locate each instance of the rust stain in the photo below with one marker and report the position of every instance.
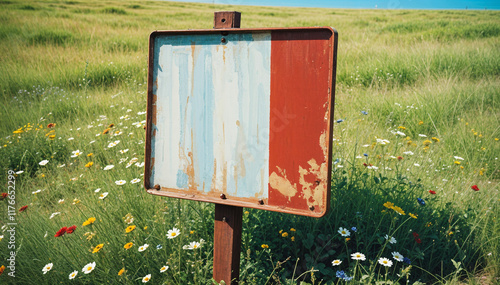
(214, 176)
(224, 178)
(224, 53)
(282, 184)
(261, 192)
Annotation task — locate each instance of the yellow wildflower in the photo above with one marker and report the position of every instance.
(285, 234)
(90, 154)
(399, 210)
(128, 245)
(292, 238)
(264, 246)
(402, 128)
(421, 122)
(427, 142)
(88, 221)
(412, 215)
(389, 205)
(435, 139)
(293, 230)
(89, 164)
(457, 162)
(129, 229)
(97, 248)
(121, 271)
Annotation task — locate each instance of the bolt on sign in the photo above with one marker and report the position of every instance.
(242, 117)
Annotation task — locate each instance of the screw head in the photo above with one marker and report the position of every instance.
(261, 201)
(157, 187)
(222, 196)
(311, 208)
(223, 40)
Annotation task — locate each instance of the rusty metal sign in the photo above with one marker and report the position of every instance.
(242, 117)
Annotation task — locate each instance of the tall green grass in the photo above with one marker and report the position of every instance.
(432, 75)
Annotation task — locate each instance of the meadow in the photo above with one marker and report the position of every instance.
(415, 193)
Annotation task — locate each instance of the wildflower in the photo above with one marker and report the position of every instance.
(128, 218)
(51, 125)
(421, 123)
(406, 260)
(341, 274)
(120, 182)
(422, 136)
(71, 229)
(421, 201)
(43, 162)
(292, 238)
(54, 214)
(97, 248)
(389, 205)
(120, 273)
(60, 201)
(339, 121)
(412, 215)
(457, 162)
(112, 144)
(336, 262)
(159, 246)
(89, 164)
(474, 187)
(354, 229)
(408, 152)
(432, 192)
(173, 233)
(385, 262)
(435, 139)
(47, 268)
(88, 268)
(76, 153)
(192, 245)
(143, 247)
(128, 245)
(365, 154)
(136, 180)
(397, 256)
(2, 268)
(358, 256)
(103, 195)
(392, 240)
(164, 268)
(23, 208)
(146, 278)
(76, 201)
(108, 167)
(264, 246)
(129, 229)
(399, 210)
(427, 142)
(344, 232)
(90, 154)
(97, 190)
(284, 234)
(293, 230)
(73, 274)
(88, 221)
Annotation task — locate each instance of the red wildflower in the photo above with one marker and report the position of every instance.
(418, 240)
(4, 195)
(365, 164)
(61, 232)
(475, 188)
(71, 229)
(432, 192)
(400, 157)
(415, 235)
(23, 208)
(51, 125)
(2, 268)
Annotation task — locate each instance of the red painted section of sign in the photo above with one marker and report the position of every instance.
(300, 114)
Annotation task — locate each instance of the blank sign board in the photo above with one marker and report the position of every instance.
(242, 117)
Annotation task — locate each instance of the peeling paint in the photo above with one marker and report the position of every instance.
(282, 184)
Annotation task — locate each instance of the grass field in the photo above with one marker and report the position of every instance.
(415, 177)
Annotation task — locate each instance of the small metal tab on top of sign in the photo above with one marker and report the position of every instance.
(242, 117)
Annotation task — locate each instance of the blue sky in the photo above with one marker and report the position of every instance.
(381, 4)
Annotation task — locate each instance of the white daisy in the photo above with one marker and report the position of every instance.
(146, 278)
(173, 233)
(336, 262)
(47, 268)
(73, 274)
(43, 162)
(103, 195)
(391, 239)
(136, 180)
(344, 232)
(76, 153)
(108, 167)
(143, 247)
(54, 214)
(397, 256)
(120, 182)
(358, 256)
(88, 268)
(385, 262)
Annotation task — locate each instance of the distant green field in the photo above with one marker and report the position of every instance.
(417, 103)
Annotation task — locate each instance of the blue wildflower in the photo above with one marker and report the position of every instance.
(336, 161)
(354, 229)
(340, 274)
(407, 260)
(159, 246)
(339, 121)
(365, 154)
(421, 201)
(364, 112)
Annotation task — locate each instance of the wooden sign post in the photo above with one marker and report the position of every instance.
(228, 219)
(241, 118)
